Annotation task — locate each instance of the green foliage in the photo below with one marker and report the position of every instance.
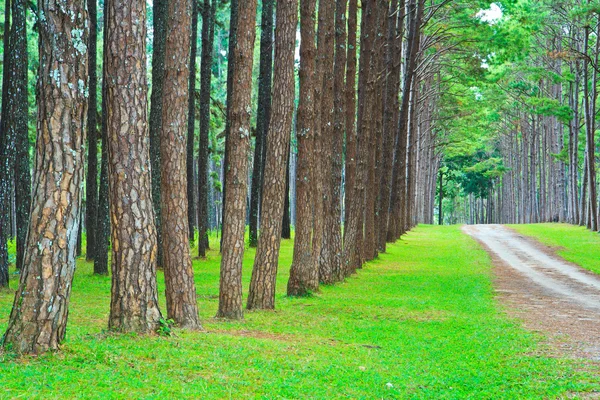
(165, 327)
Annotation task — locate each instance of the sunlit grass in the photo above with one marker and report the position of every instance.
(420, 322)
(574, 243)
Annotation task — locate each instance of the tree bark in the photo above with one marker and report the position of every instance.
(91, 194)
(304, 273)
(286, 229)
(236, 167)
(134, 304)
(191, 123)
(160, 9)
(208, 34)
(39, 316)
(179, 277)
(264, 273)
(263, 115)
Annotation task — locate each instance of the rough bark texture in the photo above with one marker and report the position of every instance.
(191, 122)
(304, 273)
(236, 167)
(286, 229)
(337, 143)
(156, 101)
(134, 305)
(323, 155)
(39, 316)
(264, 273)
(5, 151)
(208, 34)
(177, 263)
(17, 123)
(91, 194)
(263, 115)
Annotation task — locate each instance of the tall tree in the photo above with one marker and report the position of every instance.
(286, 229)
(39, 316)
(191, 124)
(179, 277)
(236, 167)
(264, 273)
(263, 115)
(304, 273)
(208, 34)
(17, 122)
(91, 186)
(134, 299)
(323, 141)
(159, 12)
(103, 214)
(5, 151)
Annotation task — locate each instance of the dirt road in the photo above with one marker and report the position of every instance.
(548, 293)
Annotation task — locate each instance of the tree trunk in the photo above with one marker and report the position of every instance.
(134, 304)
(264, 273)
(208, 34)
(263, 115)
(156, 102)
(304, 273)
(236, 167)
(17, 123)
(5, 151)
(180, 289)
(39, 316)
(286, 229)
(191, 123)
(103, 217)
(91, 194)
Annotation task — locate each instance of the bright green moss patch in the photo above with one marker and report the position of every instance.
(420, 322)
(574, 243)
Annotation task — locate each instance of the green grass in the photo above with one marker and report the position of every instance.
(422, 318)
(576, 244)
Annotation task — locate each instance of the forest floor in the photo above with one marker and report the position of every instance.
(421, 321)
(550, 294)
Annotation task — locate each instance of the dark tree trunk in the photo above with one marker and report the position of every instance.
(286, 229)
(177, 263)
(156, 101)
(233, 28)
(103, 217)
(17, 123)
(264, 273)
(39, 316)
(191, 123)
(134, 299)
(91, 194)
(263, 115)
(304, 273)
(5, 151)
(208, 34)
(236, 167)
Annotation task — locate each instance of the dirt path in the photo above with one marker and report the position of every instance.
(548, 293)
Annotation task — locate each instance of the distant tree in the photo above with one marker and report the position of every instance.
(91, 186)
(304, 273)
(236, 167)
(264, 273)
(286, 229)
(191, 124)
(134, 299)
(159, 12)
(263, 116)
(103, 214)
(39, 316)
(17, 122)
(179, 277)
(208, 36)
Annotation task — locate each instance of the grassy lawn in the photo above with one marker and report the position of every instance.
(574, 243)
(420, 322)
